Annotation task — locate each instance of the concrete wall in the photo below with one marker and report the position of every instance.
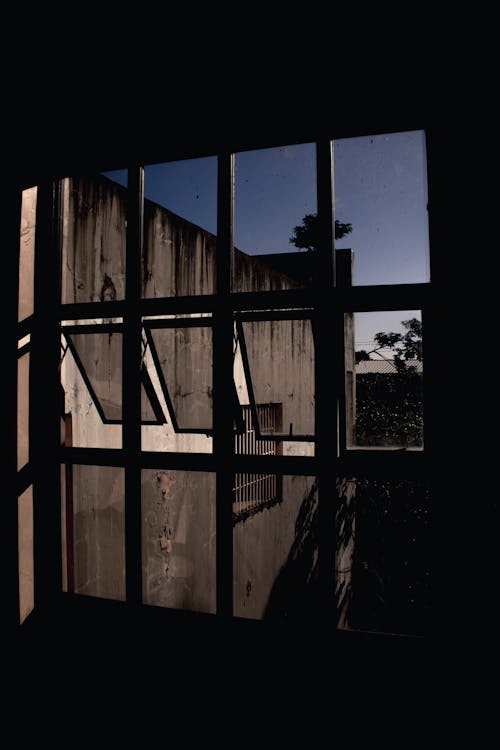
(94, 240)
(274, 550)
(27, 252)
(178, 539)
(275, 553)
(99, 531)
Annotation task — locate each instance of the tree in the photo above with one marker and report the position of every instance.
(306, 236)
(362, 356)
(405, 346)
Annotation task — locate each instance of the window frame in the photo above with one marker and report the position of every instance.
(324, 299)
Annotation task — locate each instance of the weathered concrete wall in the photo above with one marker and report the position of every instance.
(94, 240)
(27, 252)
(274, 554)
(25, 553)
(252, 274)
(275, 550)
(99, 536)
(23, 404)
(179, 257)
(178, 539)
(178, 260)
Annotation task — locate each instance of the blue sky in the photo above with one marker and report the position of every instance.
(380, 187)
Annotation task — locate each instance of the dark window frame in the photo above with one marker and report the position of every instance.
(324, 298)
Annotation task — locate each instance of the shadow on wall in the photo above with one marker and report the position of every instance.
(295, 593)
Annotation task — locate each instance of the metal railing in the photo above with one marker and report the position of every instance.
(253, 492)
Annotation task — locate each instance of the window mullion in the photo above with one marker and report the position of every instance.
(223, 384)
(132, 386)
(327, 385)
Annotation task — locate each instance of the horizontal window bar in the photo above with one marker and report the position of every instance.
(385, 464)
(93, 328)
(89, 310)
(374, 298)
(351, 299)
(178, 323)
(253, 316)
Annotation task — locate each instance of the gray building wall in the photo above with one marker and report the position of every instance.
(275, 550)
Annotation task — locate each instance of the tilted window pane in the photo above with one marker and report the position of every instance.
(278, 361)
(91, 376)
(184, 356)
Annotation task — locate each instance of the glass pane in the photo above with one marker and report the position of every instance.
(275, 546)
(27, 253)
(274, 374)
(178, 539)
(95, 544)
(389, 558)
(94, 239)
(91, 376)
(25, 542)
(386, 392)
(23, 371)
(381, 191)
(180, 224)
(178, 363)
(275, 211)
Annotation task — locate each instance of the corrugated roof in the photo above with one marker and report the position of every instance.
(385, 366)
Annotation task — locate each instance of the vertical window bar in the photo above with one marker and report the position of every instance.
(44, 419)
(9, 526)
(223, 444)
(327, 387)
(132, 386)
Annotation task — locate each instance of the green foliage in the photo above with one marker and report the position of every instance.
(389, 409)
(391, 565)
(307, 235)
(406, 346)
(362, 356)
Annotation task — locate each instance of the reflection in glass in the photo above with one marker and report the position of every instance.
(178, 539)
(274, 190)
(94, 239)
(381, 190)
(388, 386)
(180, 224)
(25, 552)
(95, 546)
(27, 253)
